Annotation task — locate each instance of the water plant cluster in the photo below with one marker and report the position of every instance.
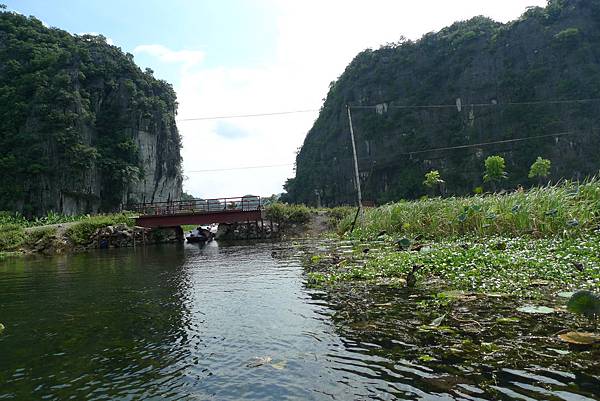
(527, 244)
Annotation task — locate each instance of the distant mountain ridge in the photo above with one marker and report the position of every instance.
(82, 128)
(548, 54)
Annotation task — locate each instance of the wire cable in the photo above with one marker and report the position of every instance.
(239, 168)
(277, 113)
(454, 106)
(466, 146)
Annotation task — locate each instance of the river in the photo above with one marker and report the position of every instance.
(217, 323)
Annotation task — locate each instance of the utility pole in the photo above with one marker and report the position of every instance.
(356, 173)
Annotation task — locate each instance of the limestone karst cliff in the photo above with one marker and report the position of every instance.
(515, 75)
(82, 128)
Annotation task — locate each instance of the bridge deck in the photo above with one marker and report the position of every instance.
(198, 211)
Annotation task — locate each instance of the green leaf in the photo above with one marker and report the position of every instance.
(584, 303)
(404, 243)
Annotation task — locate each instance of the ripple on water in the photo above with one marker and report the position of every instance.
(185, 322)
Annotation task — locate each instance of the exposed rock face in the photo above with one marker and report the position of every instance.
(82, 128)
(550, 53)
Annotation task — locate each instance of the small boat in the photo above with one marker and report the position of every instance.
(199, 235)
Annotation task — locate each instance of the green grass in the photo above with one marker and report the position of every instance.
(40, 234)
(81, 232)
(12, 237)
(568, 208)
(48, 219)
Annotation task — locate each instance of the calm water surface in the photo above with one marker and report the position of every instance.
(215, 323)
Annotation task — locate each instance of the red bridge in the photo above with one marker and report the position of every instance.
(198, 211)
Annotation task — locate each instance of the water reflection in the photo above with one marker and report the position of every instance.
(236, 322)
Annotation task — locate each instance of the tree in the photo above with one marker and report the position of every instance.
(540, 169)
(433, 180)
(495, 170)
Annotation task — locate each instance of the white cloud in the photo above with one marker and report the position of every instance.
(188, 58)
(316, 40)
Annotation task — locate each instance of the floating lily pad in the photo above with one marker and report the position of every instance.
(580, 338)
(1, 328)
(536, 309)
(427, 358)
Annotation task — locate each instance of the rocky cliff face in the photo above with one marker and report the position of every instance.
(82, 128)
(507, 77)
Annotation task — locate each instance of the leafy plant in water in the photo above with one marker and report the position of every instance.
(404, 243)
(585, 303)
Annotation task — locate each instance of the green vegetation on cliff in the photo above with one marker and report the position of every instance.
(502, 70)
(73, 110)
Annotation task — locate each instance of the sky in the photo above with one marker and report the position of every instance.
(232, 57)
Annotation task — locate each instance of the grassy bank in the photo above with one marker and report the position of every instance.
(523, 243)
(566, 208)
(18, 234)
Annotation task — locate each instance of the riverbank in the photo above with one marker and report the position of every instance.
(56, 234)
(67, 234)
(543, 239)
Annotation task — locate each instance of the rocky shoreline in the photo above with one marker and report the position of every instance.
(55, 241)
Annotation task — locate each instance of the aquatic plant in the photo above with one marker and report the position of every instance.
(585, 303)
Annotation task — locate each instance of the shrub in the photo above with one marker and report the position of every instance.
(283, 213)
(540, 169)
(495, 170)
(567, 35)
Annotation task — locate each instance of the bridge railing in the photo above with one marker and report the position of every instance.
(195, 206)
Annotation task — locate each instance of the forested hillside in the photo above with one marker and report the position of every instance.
(511, 80)
(82, 128)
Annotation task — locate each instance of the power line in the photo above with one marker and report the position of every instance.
(466, 146)
(453, 106)
(239, 168)
(391, 106)
(277, 113)
(476, 145)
